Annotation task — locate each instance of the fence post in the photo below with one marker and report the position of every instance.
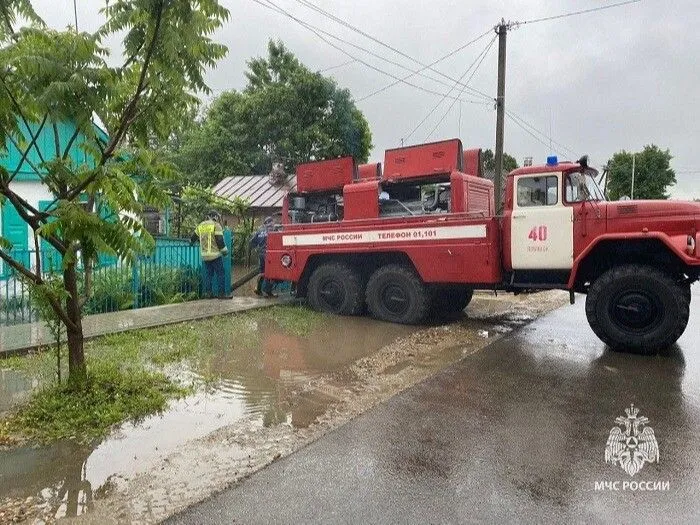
(228, 240)
(135, 285)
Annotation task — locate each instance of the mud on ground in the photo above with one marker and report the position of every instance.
(226, 456)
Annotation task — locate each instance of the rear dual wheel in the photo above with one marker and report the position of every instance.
(396, 294)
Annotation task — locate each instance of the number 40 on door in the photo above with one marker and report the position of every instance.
(538, 233)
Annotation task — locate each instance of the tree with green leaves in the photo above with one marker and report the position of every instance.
(286, 114)
(509, 162)
(49, 77)
(653, 175)
(197, 201)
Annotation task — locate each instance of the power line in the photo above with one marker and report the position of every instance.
(575, 13)
(547, 140)
(434, 108)
(337, 67)
(483, 56)
(365, 50)
(352, 28)
(272, 6)
(445, 57)
(538, 139)
(525, 123)
(278, 9)
(348, 25)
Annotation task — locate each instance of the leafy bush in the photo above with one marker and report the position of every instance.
(111, 291)
(168, 285)
(113, 288)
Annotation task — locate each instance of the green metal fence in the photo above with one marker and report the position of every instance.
(171, 274)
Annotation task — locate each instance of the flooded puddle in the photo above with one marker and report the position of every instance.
(259, 379)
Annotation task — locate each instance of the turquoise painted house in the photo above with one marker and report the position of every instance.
(28, 184)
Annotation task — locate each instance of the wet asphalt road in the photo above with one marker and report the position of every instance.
(515, 433)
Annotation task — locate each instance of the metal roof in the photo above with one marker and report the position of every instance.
(256, 189)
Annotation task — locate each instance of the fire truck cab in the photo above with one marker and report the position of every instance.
(418, 235)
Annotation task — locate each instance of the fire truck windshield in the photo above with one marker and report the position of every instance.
(582, 187)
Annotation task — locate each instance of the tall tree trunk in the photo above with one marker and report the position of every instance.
(74, 334)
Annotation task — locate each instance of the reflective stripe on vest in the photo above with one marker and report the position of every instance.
(207, 232)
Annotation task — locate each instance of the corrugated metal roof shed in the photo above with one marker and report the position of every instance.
(256, 189)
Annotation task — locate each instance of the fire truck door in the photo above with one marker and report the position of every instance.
(541, 227)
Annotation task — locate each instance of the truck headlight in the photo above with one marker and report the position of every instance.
(690, 248)
(286, 260)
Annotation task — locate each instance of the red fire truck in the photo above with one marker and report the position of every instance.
(420, 235)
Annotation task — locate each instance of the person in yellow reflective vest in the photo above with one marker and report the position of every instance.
(212, 249)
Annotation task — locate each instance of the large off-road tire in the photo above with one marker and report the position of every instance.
(637, 308)
(336, 288)
(396, 294)
(449, 300)
(686, 291)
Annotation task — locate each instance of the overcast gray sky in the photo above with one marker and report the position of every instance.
(596, 83)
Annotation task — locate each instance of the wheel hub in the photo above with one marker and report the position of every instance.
(636, 310)
(395, 299)
(332, 293)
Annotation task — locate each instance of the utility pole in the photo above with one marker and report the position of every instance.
(75, 13)
(501, 31)
(634, 158)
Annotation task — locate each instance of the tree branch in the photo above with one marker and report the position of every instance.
(8, 22)
(36, 279)
(37, 253)
(22, 206)
(56, 140)
(73, 138)
(19, 268)
(125, 120)
(131, 107)
(132, 58)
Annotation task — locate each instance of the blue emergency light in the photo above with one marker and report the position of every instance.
(552, 160)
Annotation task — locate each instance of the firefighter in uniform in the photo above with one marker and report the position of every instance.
(212, 248)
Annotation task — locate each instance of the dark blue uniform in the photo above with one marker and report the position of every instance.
(259, 241)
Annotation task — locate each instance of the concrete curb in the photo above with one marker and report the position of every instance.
(195, 316)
